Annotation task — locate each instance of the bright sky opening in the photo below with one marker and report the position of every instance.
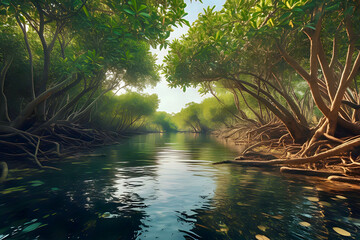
(172, 100)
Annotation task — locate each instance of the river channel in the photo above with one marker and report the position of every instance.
(165, 186)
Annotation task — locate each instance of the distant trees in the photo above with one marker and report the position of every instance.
(126, 112)
(162, 121)
(210, 114)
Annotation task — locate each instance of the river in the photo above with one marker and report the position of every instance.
(164, 186)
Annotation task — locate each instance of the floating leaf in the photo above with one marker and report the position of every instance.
(36, 183)
(325, 203)
(278, 217)
(309, 188)
(313, 199)
(55, 189)
(106, 168)
(106, 215)
(262, 228)
(223, 228)
(31, 227)
(13, 189)
(222, 225)
(242, 204)
(261, 237)
(199, 225)
(340, 197)
(305, 224)
(342, 231)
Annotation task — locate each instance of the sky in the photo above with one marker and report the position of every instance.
(172, 100)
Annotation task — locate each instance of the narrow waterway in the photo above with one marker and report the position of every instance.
(164, 186)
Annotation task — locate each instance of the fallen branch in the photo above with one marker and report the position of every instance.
(309, 172)
(344, 179)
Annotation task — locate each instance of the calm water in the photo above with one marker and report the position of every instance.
(165, 187)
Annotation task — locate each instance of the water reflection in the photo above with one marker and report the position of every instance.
(165, 187)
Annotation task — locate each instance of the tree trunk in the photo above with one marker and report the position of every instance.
(298, 132)
(4, 114)
(27, 44)
(30, 107)
(40, 110)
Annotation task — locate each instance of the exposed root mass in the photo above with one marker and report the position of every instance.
(322, 155)
(53, 142)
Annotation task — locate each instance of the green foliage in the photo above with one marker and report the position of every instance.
(209, 114)
(162, 121)
(239, 46)
(126, 112)
(92, 46)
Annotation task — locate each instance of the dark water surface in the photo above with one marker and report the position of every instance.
(165, 187)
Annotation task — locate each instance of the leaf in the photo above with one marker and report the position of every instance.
(85, 11)
(13, 189)
(242, 204)
(325, 204)
(349, 11)
(146, 15)
(342, 231)
(186, 22)
(310, 26)
(31, 227)
(142, 7)
(36, 183)
(278, 217)
(298, 9)
(288, 5)
(217, 35)
(340, 197)
(129, 11)
(271, 22)
(313, 199)
(332, 7)
(261, 237)
(184, 89)
(5, 2)
(305, 224)
(285, 15)
(291, 24)
(262, 228)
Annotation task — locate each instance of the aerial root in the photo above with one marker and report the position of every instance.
(53, 142)
(4, 171)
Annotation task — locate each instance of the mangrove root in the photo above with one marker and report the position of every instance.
(309, 172)
(352, 180)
